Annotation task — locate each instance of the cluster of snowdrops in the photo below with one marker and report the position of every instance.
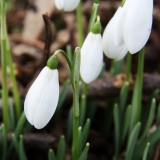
(127, 31)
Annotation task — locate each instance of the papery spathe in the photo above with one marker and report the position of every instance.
(91, 57)
(110, 48)
(66, 5)
(42, 98)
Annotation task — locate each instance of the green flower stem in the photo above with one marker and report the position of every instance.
(14, 84)
(128, 67)
(96, 1)
(83, 103)
(80, 24)
(65, 55)
(137, 94)
(4, 67)
(93, 16)
(75, 86)
(75, 145)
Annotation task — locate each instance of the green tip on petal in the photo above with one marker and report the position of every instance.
(52, 62)
(123, 2)
(97, 28)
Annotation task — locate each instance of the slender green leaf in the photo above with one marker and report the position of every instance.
(69, 52)
(126, 122)
(146, 109)
(152, 139)
(128, 66)
(158, 113)
(80, 140)
(149, 120)
(116, 67)
(145, 152)
(117, 129)
(61, 148)
(137, 94)
(63, 94)
(20, 125)
(22, 154)
(1, 142)
(4, 142)
(84, 153)
(11, 116)
(15, 143)
(70, 125)
(51, 155)
(132, 141)
(82, 109)
(85, 132)
(80, 24)
(91, 109)
(123, 98)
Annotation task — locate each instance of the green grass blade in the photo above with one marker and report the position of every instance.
(82, 109)
(152, 139)
(22, 154)
(137, 94)
(132, 141)
(80, 140)
(123, 98)
(117, 129)
(69, 53)
(158, 113)
(51, 155)
(11, 116)
(61, 149)
(125, 123)
(145, 152)
(20, 125)
(85, 132)
(15, 143)
(4, 142)
(84, 153)
(149, 120)
(70, 125)
(63, 94)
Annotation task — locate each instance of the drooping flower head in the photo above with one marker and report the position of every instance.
(129, 29)
(92, 55)
(110, 48)
(42, 98)
(135, 24)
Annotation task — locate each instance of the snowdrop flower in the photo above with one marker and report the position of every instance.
(66, 5)
(135, 24)
(92, 55)
(129, 29)
(42, 98)
(110, 48)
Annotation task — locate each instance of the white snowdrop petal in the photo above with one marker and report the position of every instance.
(108, 41)
(48, 102)
(91, 58)
(75, 4)
(69, 5)
(118, 18)
(34, 94)
(59, 4)
(123, 52)
(137, 24)
(87, 42)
